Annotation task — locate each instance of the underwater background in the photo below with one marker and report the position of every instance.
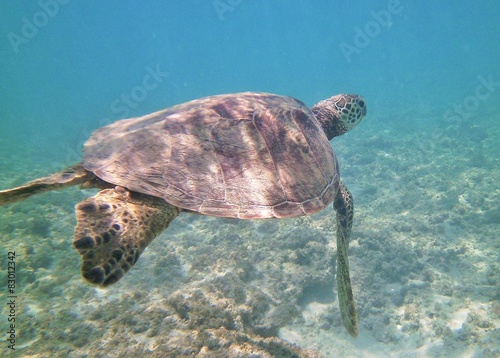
(423, 167)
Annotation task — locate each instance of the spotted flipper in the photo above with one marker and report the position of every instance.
(114, 227)
(344, 206)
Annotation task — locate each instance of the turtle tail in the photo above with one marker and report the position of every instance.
(73, 175)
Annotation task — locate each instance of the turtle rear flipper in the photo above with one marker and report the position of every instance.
(68, 177)
(114, 227)
(344, 207)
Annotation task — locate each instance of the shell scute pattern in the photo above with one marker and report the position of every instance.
(247, 155)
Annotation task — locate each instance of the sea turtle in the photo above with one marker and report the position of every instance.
(244, 155)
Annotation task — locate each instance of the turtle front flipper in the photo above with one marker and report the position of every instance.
(344, 206)
(114, 227)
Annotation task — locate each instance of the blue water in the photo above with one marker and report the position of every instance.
(88, 54)
(68, 68)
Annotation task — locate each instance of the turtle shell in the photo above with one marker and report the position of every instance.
(244, 155)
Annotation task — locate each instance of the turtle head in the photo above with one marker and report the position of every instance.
(340, 113)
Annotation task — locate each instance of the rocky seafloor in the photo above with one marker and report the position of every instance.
(424, 257)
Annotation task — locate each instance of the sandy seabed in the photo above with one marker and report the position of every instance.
(424, 258)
